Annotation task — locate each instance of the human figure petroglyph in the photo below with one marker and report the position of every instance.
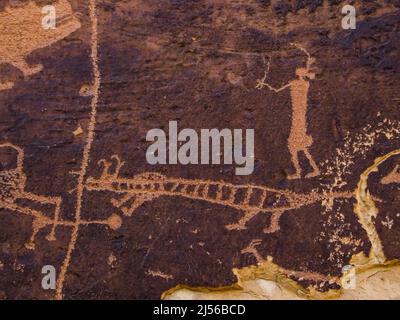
(299, 140)
(12, 189)
(22, 33)
(248, 198)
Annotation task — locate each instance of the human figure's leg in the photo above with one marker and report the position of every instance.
(315, 171)
(296, 163)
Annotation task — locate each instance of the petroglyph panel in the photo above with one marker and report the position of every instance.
(40, 111)
(77, 102)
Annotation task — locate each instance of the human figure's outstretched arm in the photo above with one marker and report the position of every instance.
(261, 84)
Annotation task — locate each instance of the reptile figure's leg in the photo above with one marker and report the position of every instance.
(241, 224)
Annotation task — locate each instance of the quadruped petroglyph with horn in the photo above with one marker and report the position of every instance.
(393, 176)
(130, 193)
(248, 198)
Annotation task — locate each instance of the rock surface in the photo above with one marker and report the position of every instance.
(84, 95)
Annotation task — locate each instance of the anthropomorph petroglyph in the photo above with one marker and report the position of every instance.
(12, 189)
(299, 140)
(313, 276)
(22, 32)
(251, 199)
(12, 192)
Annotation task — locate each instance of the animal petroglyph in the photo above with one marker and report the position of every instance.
(317, 277)
(22, 33)
(393, 176)
(12, 189)
(248, 198)
(298, 140)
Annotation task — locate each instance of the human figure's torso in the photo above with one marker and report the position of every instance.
(298, 93)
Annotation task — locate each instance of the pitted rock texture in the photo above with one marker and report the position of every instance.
(125, 67)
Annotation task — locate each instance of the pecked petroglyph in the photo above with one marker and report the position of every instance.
(252, 249)
(17, 26)
(393, 176)
(214, 192)
(12, 189)
(298, 140)
(298, 15)
(114, 221)
(366, 209)
(22, 33)
(365, 267)
(248, 198)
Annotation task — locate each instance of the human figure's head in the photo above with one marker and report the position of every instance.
(303, 73)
